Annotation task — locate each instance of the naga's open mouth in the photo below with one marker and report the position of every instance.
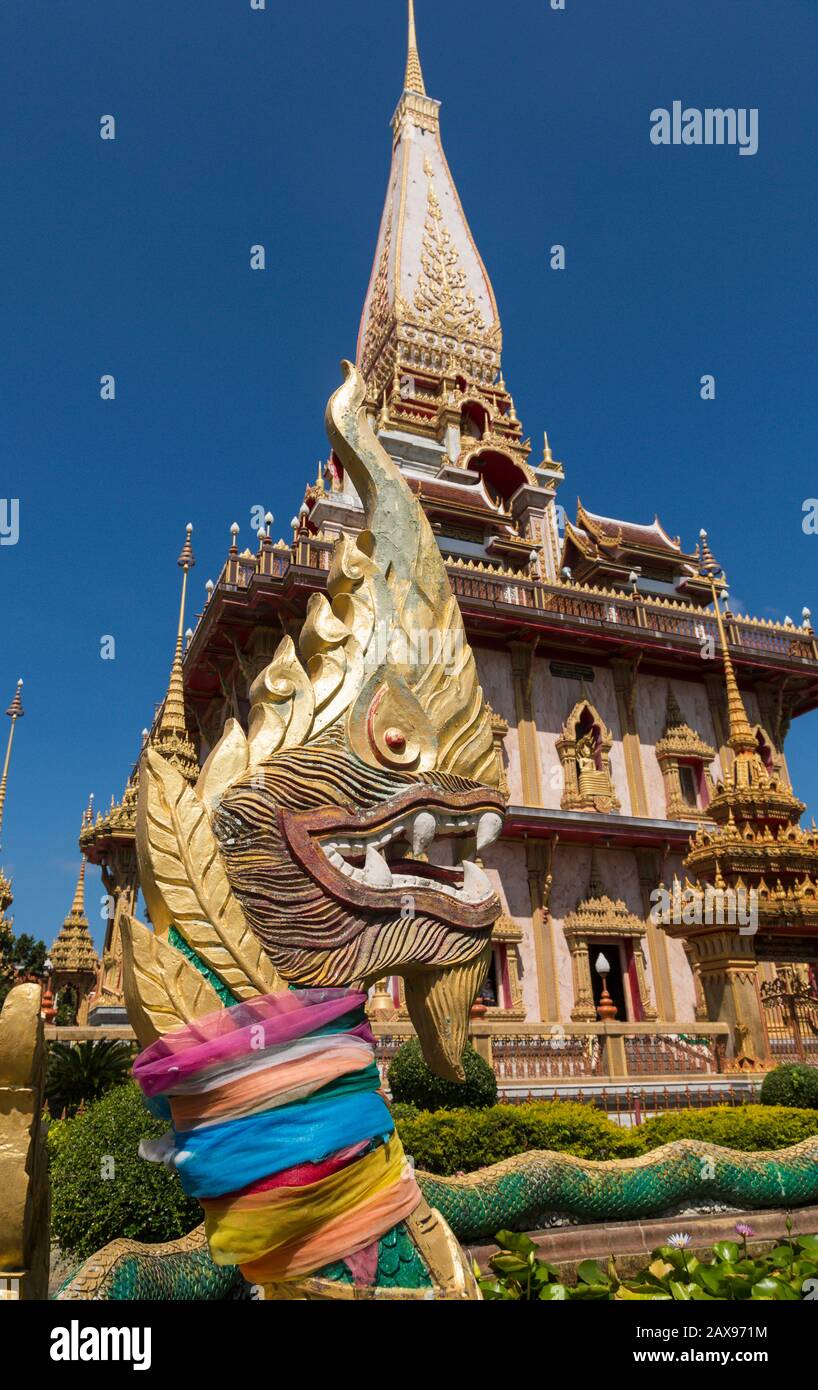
(423, 843)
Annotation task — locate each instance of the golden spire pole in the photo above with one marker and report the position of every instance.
(15, 711)
(172, 734)
(413, 81)
(78, 905)
(741, 738)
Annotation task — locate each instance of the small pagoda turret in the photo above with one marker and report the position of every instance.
(74, 961)
(110, 839)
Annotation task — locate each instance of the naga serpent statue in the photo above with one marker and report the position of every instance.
(336, 842)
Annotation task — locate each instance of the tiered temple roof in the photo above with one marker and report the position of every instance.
(603, 550)
(73, 954)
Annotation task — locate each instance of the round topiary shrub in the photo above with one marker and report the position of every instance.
(412, 1083)
(101, 1189)
(794, 1085)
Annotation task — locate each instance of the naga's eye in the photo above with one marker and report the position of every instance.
(394, 739)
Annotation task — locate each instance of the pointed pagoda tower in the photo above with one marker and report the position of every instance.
(429, 347)
(110, 839)
(171, 737)
(74, 960)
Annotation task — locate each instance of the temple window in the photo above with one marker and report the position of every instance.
(602, 924)
(474, 420)
(765, 750)
(685, 760)
(584, 748)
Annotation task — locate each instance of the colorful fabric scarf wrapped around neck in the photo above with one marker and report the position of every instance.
(280, 1131)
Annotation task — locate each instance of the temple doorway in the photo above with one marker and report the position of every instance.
(614, 955)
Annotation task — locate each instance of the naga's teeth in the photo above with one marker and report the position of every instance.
(488, 829)
(377, 873)
(423, 831)
(335, 858)
(476, 883)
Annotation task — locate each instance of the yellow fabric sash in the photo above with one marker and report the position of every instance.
(241, 1230)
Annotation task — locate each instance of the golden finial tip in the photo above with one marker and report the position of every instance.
(413, 81)
(187, 559)
(15, 709)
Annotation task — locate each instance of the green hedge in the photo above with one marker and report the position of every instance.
(745, 1127)
(411, 1082)
(451, 1141)
(101, 1189)
(145, 1201)
(793, 1084)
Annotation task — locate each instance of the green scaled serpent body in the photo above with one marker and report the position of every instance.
(518, 1194)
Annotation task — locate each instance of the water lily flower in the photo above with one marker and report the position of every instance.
(680, 1240)
(743, 1230)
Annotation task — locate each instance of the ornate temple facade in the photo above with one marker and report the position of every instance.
(657, 886)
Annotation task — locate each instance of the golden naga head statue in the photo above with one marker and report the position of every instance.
(335, 842)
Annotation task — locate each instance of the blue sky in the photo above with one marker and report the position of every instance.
(236, 127)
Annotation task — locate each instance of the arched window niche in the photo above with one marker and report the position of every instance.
(584, 749)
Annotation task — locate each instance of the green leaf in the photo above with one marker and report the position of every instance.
(554, 1293)
(510, 1265)
(632, 1295)
(769, 1288)
(727, 1250)
(710, 1278)
(681, 1292)
(513, 1240)
(590, 1272)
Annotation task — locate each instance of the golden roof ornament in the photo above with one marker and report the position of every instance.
(600, 915)
(172, 737)
(413, 82)
(73, 954)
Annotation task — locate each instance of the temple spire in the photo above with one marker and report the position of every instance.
(172, 737)
(15, 711)
(78, 905)
(413, 81)
(73, 958)
(741, 737)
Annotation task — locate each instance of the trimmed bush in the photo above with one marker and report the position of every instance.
(793, 1085)
(101, 1189)
(411, 1082)
(452, 1141)
(745, 1127)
